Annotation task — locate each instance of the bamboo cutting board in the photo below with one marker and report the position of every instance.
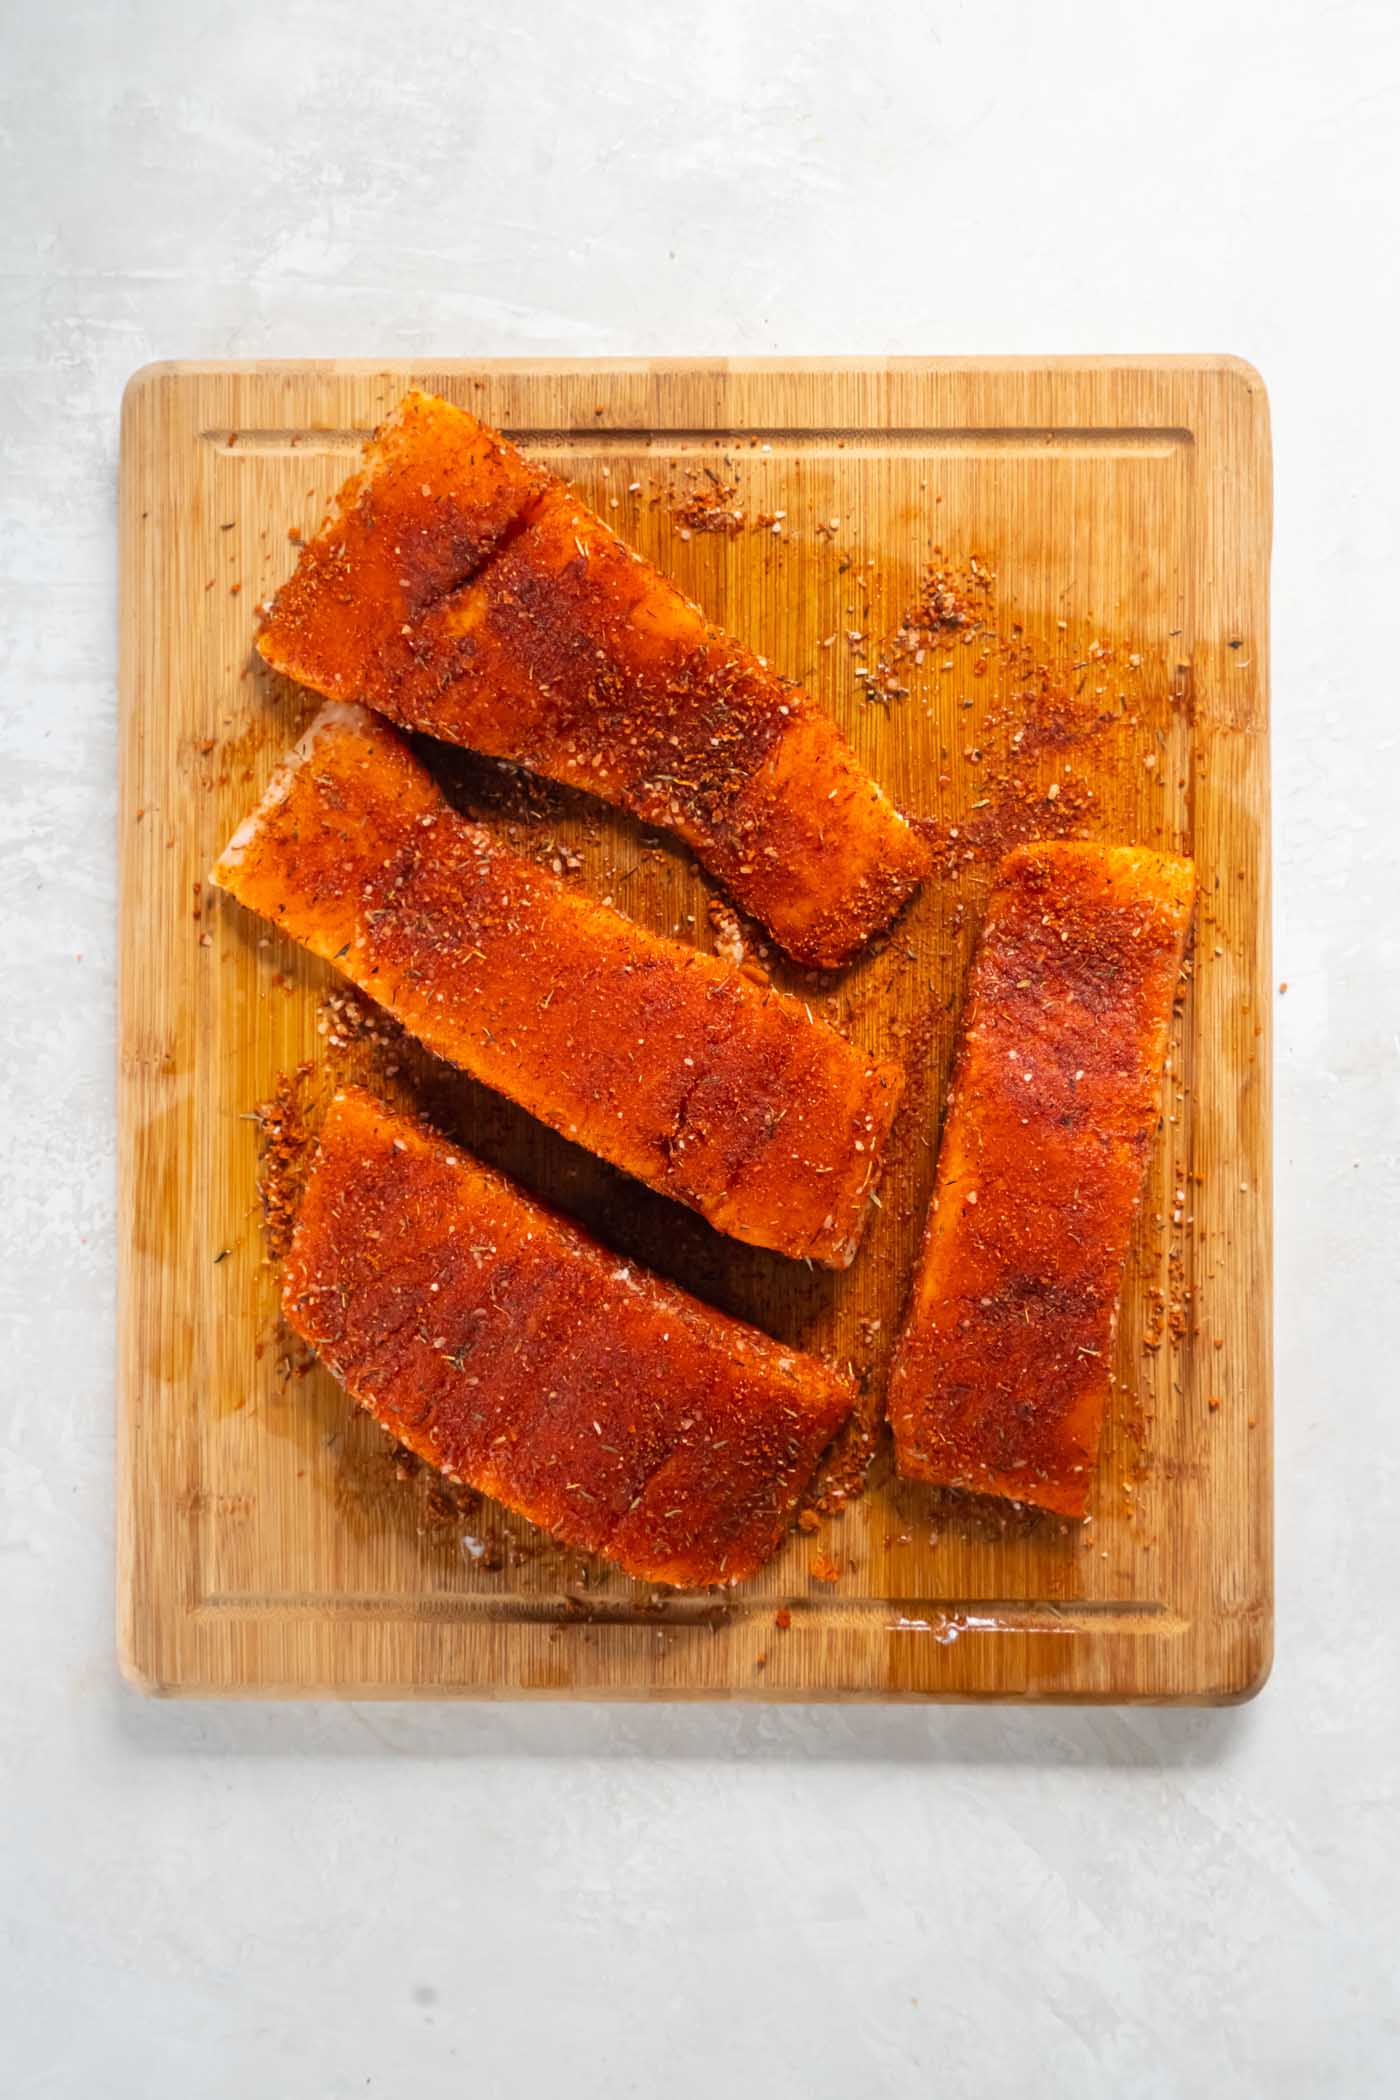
(1118, 513)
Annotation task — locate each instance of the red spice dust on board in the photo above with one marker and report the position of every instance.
(1016, 810)
(1017, 702)
(285, 1146)
(1054, 704)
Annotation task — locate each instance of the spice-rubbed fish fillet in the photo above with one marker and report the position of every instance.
(1002, 1372)
(462, 591)
(719, 1092)
(516, 1354)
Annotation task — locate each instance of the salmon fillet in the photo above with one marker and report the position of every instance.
(514, 1353)
(462, 591)
(718, 1092)
(1002, 1372)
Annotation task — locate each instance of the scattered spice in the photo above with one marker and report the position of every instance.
(285, 1148)
(954, 599)
(710, 506)
(347, 1016)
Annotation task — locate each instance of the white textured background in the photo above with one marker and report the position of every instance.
(247, 1904)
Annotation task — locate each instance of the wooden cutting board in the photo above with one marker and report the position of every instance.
(1118, 512)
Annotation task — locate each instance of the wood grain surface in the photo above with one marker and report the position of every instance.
(269, 1543)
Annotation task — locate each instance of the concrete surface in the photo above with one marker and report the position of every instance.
(325, 1902)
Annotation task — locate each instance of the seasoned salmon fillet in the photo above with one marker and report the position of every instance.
(436, 496)
(513, 1352)
(462, 591)
(1002, 1372)
(719, 1092)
